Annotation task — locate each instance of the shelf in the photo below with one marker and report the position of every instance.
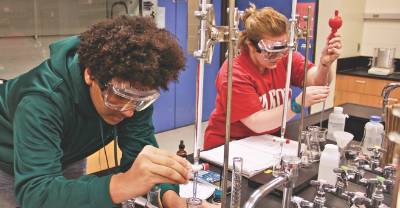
(382, 16)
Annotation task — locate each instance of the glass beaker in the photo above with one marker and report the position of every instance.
(313, 130)
(236, 182)
(153, 197)
(193, 202)
(314, 145)
(291, 164)
(277, 168)
(305, 153)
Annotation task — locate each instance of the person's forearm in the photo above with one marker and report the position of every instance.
(266, 120)
(319, 75)
(325, 74)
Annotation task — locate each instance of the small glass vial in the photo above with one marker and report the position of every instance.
(182, 152)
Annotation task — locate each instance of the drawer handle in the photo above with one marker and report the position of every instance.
(361, 81)
(393, 99)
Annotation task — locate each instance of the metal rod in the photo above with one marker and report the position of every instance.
(303, 96)
(289, 68)
(199, 97)
(263, 191)
(232, 39)
(287, 194)
(36, 20)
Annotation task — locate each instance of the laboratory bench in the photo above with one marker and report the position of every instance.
(360, 115)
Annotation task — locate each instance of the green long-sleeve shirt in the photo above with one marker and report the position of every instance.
(47, 121)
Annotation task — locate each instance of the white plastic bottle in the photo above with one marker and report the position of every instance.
(330, 159)
(336, 122)
(373, 134)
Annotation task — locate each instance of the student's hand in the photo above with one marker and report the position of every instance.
(331, 51)
(314, 94)
(172, 200)
(152, 166)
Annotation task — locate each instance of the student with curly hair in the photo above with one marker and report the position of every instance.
(94, 88)
(259, 76)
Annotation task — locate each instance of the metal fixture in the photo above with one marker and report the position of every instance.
(386, 92)
(292, 167)
(303, 97)
(209, 35)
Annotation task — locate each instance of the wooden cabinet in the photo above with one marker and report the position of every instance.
(362, 90)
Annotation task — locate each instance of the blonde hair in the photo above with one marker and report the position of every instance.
(258, 22)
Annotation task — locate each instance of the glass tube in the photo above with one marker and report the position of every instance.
(236, 182)
(130, 203)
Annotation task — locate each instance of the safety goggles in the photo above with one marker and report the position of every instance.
(123, 97)
(271, 49)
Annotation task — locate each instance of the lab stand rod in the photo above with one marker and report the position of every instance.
(232, 39)
(303, 96)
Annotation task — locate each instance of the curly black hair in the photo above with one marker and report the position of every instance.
(131, 49)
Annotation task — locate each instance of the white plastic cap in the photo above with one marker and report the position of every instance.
(331, 147)
(338, 109)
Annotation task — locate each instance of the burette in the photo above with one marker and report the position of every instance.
(288, 73)
(200, 55)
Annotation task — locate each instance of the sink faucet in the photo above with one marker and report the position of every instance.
(386, 92)
(287, 179)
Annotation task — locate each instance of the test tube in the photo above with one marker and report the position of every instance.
(236, 182)
(195, 202)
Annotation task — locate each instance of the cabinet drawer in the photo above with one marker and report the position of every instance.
(363, 85)
(342, 97)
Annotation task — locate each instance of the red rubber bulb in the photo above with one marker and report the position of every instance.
(335, 23)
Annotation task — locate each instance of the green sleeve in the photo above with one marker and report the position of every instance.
(37, 154)
(135, 133)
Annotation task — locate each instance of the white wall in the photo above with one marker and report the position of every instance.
(381, 33)
(351, 31)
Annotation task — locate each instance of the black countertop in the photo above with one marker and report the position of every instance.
(359, 65)
(363, 72)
